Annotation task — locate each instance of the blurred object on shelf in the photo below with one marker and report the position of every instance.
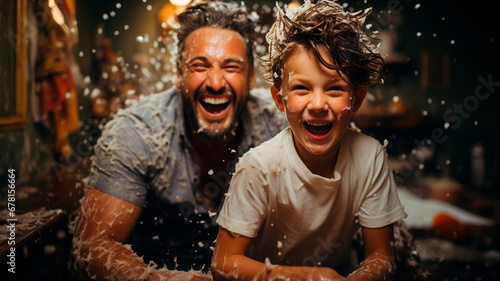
(57, 75)
(478, 166)
(445, 189)
(376, 112)
(449, 227)
(422, 211)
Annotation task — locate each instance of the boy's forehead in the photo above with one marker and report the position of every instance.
(300, 51)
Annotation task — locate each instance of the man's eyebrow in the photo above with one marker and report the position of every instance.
(228, 60)
(236, 60)
(202, 58)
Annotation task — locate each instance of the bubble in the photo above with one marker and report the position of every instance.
(118, 5)
(452, 42)
(105, 16)
(419, 34)
(446, 125)
(417, 6)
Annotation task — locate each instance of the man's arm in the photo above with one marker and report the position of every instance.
(231, 263)
(379, 261)
(98, 247)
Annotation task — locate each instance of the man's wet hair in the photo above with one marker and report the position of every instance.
(218, 14)
(324, 23)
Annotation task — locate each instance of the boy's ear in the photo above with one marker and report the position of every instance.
(278, 99)
(359, 97)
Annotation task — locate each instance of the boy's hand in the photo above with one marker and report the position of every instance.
(173, 275)
(325, 274)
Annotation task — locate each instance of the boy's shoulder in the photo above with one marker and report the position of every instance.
(269, 150)
(359, 141)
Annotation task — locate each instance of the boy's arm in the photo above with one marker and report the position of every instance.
(379, 261)
(231, 263)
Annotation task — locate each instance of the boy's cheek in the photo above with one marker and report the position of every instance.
(296, 102)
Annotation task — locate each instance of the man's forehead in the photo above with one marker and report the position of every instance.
(215, 43)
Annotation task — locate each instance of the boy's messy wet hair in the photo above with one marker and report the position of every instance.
(324, 23)
(216, 14)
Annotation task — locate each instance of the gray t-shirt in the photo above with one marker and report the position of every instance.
(144, 157)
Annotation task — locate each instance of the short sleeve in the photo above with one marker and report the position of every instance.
(246, 203)
(118, 166)
(381, 206)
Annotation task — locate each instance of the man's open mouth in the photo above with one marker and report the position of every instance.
(215, 105)
(318, 128)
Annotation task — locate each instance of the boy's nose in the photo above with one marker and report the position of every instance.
(215, 79)
(318, 101)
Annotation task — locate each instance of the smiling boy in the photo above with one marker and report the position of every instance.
(296, 201)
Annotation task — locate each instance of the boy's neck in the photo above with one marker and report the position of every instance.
(321, 165)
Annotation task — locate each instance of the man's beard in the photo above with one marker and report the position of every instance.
(192, 116)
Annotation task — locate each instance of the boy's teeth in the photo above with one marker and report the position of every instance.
(215, 101)
(318, 124)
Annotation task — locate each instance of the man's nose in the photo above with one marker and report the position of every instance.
(216, 79)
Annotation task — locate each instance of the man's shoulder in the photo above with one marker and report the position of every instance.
(152, 103)
(151, 111)
(261, 100)
(267, 119)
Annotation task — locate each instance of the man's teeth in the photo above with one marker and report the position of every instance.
(320, 124)
(215, 101)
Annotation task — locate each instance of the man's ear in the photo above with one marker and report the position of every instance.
(178, 80)
(359, 97)
(278, 99)
(251, 76)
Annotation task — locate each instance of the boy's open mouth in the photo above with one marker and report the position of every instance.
(215, 105)
(318, 129)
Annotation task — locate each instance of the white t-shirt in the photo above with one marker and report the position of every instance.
(298, 218)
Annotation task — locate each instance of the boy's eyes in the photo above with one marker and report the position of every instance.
(336, 88)
(301, 88)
